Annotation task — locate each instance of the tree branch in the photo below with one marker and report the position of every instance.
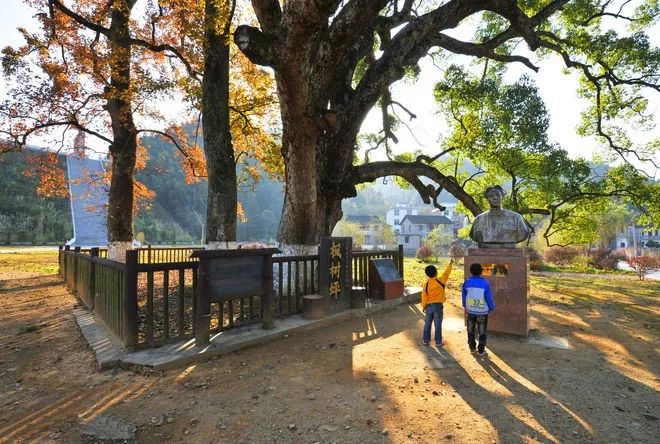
(269, 14)
(166, 47)
(177, 145)
(412, 171)
(478, 50)
(79, 18)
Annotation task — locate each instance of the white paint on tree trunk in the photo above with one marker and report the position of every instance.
(117, 250)
(298, 249)
(222, 245)
(294, 250)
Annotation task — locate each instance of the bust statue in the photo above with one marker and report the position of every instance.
(497, 227)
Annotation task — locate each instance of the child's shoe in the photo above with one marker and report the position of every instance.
(481, 352)
(425, 343)
(440, 344)
(473, 350)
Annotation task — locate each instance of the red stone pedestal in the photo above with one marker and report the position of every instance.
(385, 282)
(509, 289)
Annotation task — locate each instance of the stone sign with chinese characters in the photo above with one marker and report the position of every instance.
(335, 278)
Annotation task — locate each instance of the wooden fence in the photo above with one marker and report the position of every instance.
(149, 300)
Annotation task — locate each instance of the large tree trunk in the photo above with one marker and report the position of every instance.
(221, 166)
(299, 150)
(312, 205)
(124, 146)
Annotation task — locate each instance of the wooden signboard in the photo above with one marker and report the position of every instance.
(225, 275)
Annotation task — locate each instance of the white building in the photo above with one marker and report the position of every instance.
(368, 226)
(415, 228)
(459, 220)
(634, 238)
(395, 215)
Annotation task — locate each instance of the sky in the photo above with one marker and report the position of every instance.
(557, 90)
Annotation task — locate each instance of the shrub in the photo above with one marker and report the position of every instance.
(620, 253)
(644, 265)
(652, 244)
(580, 263)
(424, 252)
(562, 256)
(535, 259)
(457, 251)
(604, 259)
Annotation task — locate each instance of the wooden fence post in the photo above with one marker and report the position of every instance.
(400, 261)
(66, 248)
(203, 315)
(94, 252)
(75, 270)
(267, 298)
(59, 259)
(130, 329)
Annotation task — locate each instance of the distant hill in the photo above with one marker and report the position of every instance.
(25, 216)
(177, 214)
(179, 210)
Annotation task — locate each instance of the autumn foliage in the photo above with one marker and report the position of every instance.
(71, 73)
(644, 265)
(49, 173)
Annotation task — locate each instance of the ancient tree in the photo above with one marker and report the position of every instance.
(98, 69)
(233, 97)
(81, 71)
(335, 61)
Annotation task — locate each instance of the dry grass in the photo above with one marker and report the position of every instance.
(21, 263)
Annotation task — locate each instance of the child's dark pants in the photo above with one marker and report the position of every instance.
(433, 316)
(480, 323)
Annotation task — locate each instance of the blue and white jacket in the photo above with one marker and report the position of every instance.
(477, 297)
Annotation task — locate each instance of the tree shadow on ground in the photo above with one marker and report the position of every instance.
(517, 410)
(537, 393)
(31, 283)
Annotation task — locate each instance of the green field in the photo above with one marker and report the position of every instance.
(25, 261)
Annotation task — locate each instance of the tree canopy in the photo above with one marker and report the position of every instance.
(335, 61)
(104, 69)
(502, 129)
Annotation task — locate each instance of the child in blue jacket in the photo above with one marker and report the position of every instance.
(478, 302)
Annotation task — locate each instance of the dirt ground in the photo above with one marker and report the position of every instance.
(368, 380)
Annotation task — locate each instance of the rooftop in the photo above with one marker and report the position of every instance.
(427, 219)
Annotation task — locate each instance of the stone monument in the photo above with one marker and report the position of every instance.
(335, 278)
(497, 231)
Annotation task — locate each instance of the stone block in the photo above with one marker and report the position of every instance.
(314, 306)
(506, 271)
(358, 297)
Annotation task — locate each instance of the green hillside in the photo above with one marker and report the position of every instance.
(24, 216)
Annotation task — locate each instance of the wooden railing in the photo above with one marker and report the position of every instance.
(154, 255)
(147, 301)
(165, 300)
(157, 255)
(99, 283)
(294, 277)
(360, 263)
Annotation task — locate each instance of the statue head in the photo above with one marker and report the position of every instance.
(494, 195)
(501, 228)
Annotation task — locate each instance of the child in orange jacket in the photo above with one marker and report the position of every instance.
(433, 298)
